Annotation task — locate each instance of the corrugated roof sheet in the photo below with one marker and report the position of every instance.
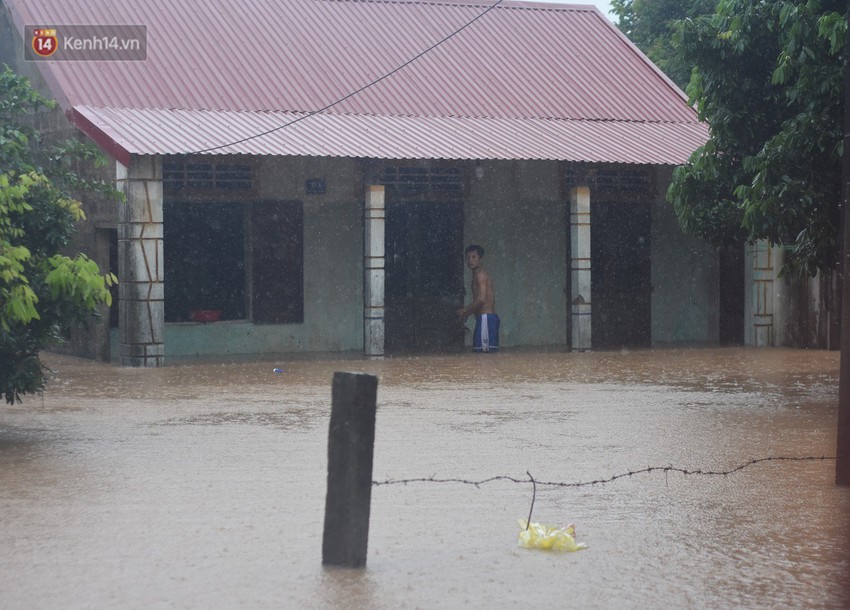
(152, 131)
(527, 80)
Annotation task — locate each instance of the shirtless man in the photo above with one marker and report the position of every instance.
(483, 306)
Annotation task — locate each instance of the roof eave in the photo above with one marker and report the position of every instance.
(99, 137)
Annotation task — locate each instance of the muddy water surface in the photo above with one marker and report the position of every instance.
(202, 485)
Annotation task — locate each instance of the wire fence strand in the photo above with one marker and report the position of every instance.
(605, 480)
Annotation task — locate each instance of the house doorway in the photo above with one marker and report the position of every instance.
(732, 293)
(621, 291)
(424, 276)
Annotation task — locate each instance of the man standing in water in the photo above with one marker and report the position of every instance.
(483, 306)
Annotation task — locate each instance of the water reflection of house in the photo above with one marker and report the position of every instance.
(344, 230)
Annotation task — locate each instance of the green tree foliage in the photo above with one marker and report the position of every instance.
(651, 24)
(43, 292)
(768, 78)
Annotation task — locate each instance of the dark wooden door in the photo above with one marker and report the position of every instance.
(621, 292)
(278, 262)
(732, 293)
(424, 276)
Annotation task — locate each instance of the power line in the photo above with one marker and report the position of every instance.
(361, 89)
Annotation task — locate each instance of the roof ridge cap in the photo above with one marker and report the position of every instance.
(504, 4)
(499, 118)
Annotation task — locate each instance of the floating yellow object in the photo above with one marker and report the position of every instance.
(539, 536)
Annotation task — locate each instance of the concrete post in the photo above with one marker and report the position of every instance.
(373, 269)
(141, 304)
(351, 443)
(580, 267)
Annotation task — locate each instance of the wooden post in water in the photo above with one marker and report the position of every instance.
(351, 441)
(842, 464)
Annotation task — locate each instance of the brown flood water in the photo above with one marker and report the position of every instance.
(202, 485)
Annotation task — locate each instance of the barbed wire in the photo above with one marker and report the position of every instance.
(604, 481)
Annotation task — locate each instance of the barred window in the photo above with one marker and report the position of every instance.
(180, 174)
(634, 181)
(439, 182)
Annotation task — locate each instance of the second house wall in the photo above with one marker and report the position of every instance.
(685, 303)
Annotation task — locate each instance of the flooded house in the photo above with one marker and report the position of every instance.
(303, 176)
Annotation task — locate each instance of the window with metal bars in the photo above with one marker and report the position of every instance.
(182, 174)
(631, 181)
(207, 262)
(435, 182)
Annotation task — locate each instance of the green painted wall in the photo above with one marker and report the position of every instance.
(333, 269)
(517, 211)
(518, 215)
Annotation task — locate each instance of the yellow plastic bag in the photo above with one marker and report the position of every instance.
(539, 536)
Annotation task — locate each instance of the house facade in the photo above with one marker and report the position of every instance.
(315, 193)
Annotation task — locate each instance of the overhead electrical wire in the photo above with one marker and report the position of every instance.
(357, 91)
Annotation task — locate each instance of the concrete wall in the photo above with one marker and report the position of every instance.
(518, 214)
(685, 298)
(814, 311)
(788, 310)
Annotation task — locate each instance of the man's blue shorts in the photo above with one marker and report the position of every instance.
(485, 338)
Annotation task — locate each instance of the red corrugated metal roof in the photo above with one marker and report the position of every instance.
(152, 131)
(525, 81)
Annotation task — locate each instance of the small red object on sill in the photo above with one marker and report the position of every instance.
(205, 315)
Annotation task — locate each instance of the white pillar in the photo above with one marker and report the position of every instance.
(580, 266)
(762, 294)
(768, 304)
(373, 269)
(141, 325)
